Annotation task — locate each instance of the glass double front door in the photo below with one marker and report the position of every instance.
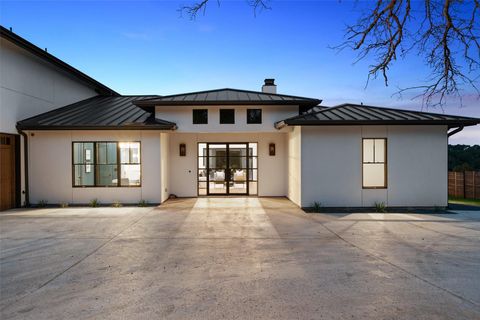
(227, 168)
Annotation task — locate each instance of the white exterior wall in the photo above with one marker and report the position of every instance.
(164, 166)
(295, 165)
(50, 168)
(30, 86)
(416, 166)
(272, 170)
(182, 116)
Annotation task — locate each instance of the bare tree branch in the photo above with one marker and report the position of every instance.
(448, 32)
(444, 32)
(201, 6)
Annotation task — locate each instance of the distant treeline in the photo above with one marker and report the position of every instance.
(463, 157)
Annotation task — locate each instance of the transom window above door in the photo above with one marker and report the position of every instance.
(227, 116)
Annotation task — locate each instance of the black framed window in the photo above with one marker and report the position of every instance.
(374, 163)
(106, 164)
(83, 164)
(200, 116)
(254, 116)
(130, 170)
(227, 116)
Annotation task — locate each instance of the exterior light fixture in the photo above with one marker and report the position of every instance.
(271, 149)
(183, 150)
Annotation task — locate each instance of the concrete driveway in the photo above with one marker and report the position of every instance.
(237, 258)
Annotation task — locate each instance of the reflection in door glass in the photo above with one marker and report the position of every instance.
(227, 168)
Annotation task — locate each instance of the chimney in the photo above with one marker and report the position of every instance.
(269, 86)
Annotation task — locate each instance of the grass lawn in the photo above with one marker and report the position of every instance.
(468, 202)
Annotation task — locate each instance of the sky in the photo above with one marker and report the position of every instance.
(149, 47)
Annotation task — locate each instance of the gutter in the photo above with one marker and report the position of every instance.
(25, 159)
(451, 133)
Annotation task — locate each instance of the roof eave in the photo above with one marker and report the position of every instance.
(450, 123)
(64, 128)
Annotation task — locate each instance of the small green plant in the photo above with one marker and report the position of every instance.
(142, 203)
(42, 203)
(116, 204)
(316, 206)
(64, 205)
(380, 207)
(94, 203)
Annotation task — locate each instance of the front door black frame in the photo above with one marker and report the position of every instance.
(227, 169)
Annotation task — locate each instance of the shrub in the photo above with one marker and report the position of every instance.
(142, 203)
(64, 205)
(116, 204)
(94, 203)
(42, 203)
(316, 206)
(380, 207)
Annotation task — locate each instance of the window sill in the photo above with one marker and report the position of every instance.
(106, 187)
(374, 188)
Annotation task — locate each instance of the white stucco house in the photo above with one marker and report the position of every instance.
(97, 144)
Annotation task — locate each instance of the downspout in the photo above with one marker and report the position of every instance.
(25, 160)
(451, 133)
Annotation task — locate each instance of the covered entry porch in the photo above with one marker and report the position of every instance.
(217, 164)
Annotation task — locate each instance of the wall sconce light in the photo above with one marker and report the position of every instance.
(271, 149)
(183, 150)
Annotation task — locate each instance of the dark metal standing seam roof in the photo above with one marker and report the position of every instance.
(227, 96)
(98, 113)
(354, 114)
(33, 49)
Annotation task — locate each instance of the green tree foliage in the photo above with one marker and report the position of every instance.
(463, 157)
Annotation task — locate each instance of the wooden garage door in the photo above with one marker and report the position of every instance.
(7, 171)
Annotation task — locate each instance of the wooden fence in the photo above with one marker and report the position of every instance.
(464, 184)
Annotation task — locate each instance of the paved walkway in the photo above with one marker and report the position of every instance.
(237, 258)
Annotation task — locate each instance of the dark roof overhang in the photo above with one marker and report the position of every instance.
(352, 114)
(124, 127)
(449, 123)
(44, 55)
(215, 97)
(225, 102)
(97, 113)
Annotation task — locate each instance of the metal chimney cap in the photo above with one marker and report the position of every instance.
(269, 82)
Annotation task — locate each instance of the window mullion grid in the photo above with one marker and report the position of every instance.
(119, 171)
(95, 171)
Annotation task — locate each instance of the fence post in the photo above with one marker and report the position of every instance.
(474, 185)
(454, 184)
